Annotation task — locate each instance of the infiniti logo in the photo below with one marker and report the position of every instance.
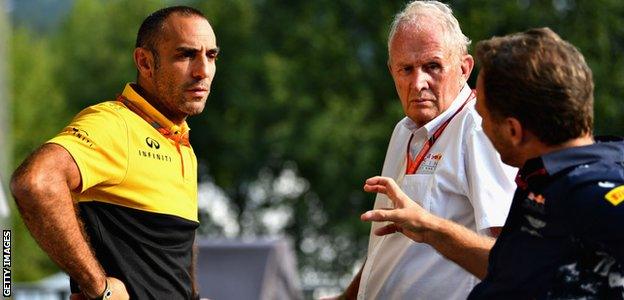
(152, 143)
(82, 135)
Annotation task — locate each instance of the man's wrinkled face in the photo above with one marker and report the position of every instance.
(185, 65)
(427, 73)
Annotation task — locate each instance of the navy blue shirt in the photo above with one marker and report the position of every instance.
(564, 236)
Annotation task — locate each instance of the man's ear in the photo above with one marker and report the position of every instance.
(517, 134)
(467, 63)
(144, 61)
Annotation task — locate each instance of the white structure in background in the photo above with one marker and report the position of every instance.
(54, 287)
(248, 270)
(226, 269)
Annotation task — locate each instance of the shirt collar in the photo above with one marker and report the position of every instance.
(432, 125)
(145, 110)
(605, 148)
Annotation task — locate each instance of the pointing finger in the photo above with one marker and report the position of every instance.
(374, 188)
(373, 180)
(379, 215)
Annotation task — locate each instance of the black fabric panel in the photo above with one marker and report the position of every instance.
(149, 252)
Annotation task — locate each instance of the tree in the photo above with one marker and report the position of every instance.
(302, 105)
(37, 110)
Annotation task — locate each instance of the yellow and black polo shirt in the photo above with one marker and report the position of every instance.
(138, 198)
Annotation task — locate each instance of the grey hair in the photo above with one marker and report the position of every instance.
(443, 13)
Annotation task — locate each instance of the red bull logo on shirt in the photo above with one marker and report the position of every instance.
(429, 164)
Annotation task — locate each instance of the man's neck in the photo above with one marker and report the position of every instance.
(540, 149)
(156, 104)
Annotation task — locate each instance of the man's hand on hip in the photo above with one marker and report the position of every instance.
(117, 291)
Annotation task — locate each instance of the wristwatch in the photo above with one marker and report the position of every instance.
(106, 294)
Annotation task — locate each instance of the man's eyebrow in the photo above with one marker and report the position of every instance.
(193, 49)
(185, 48)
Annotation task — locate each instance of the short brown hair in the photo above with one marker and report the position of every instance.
(541, 80)
(152, 25)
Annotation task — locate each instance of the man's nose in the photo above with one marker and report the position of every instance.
(419, 80)
(203, 68)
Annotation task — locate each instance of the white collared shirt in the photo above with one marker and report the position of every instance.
(461, 179)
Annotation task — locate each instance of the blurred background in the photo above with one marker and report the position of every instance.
(300, 112)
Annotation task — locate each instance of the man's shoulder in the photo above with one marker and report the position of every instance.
(469, 117)
(466, 122)
(107, 109)
(466, 126)
(108, 114)
(598, 185)
(99, 122)
(600, 170)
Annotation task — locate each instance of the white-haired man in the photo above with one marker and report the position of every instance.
(440, 157)
(563, 237)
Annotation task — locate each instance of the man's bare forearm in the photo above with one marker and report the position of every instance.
(461, 245)
(42, 188)
(455, 242)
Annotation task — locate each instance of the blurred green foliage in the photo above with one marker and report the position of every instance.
(300, 86)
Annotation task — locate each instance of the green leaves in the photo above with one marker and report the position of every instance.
(301, 87)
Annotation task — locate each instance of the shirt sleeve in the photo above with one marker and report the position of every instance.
(97, 139)
(490, 182)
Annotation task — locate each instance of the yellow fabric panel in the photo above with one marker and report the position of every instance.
(125, 161)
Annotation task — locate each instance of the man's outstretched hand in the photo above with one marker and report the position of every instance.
(407, 216)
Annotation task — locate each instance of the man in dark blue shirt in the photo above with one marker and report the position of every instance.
(564, 236)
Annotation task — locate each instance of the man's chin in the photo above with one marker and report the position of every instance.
(422, 118)
(195, 108)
